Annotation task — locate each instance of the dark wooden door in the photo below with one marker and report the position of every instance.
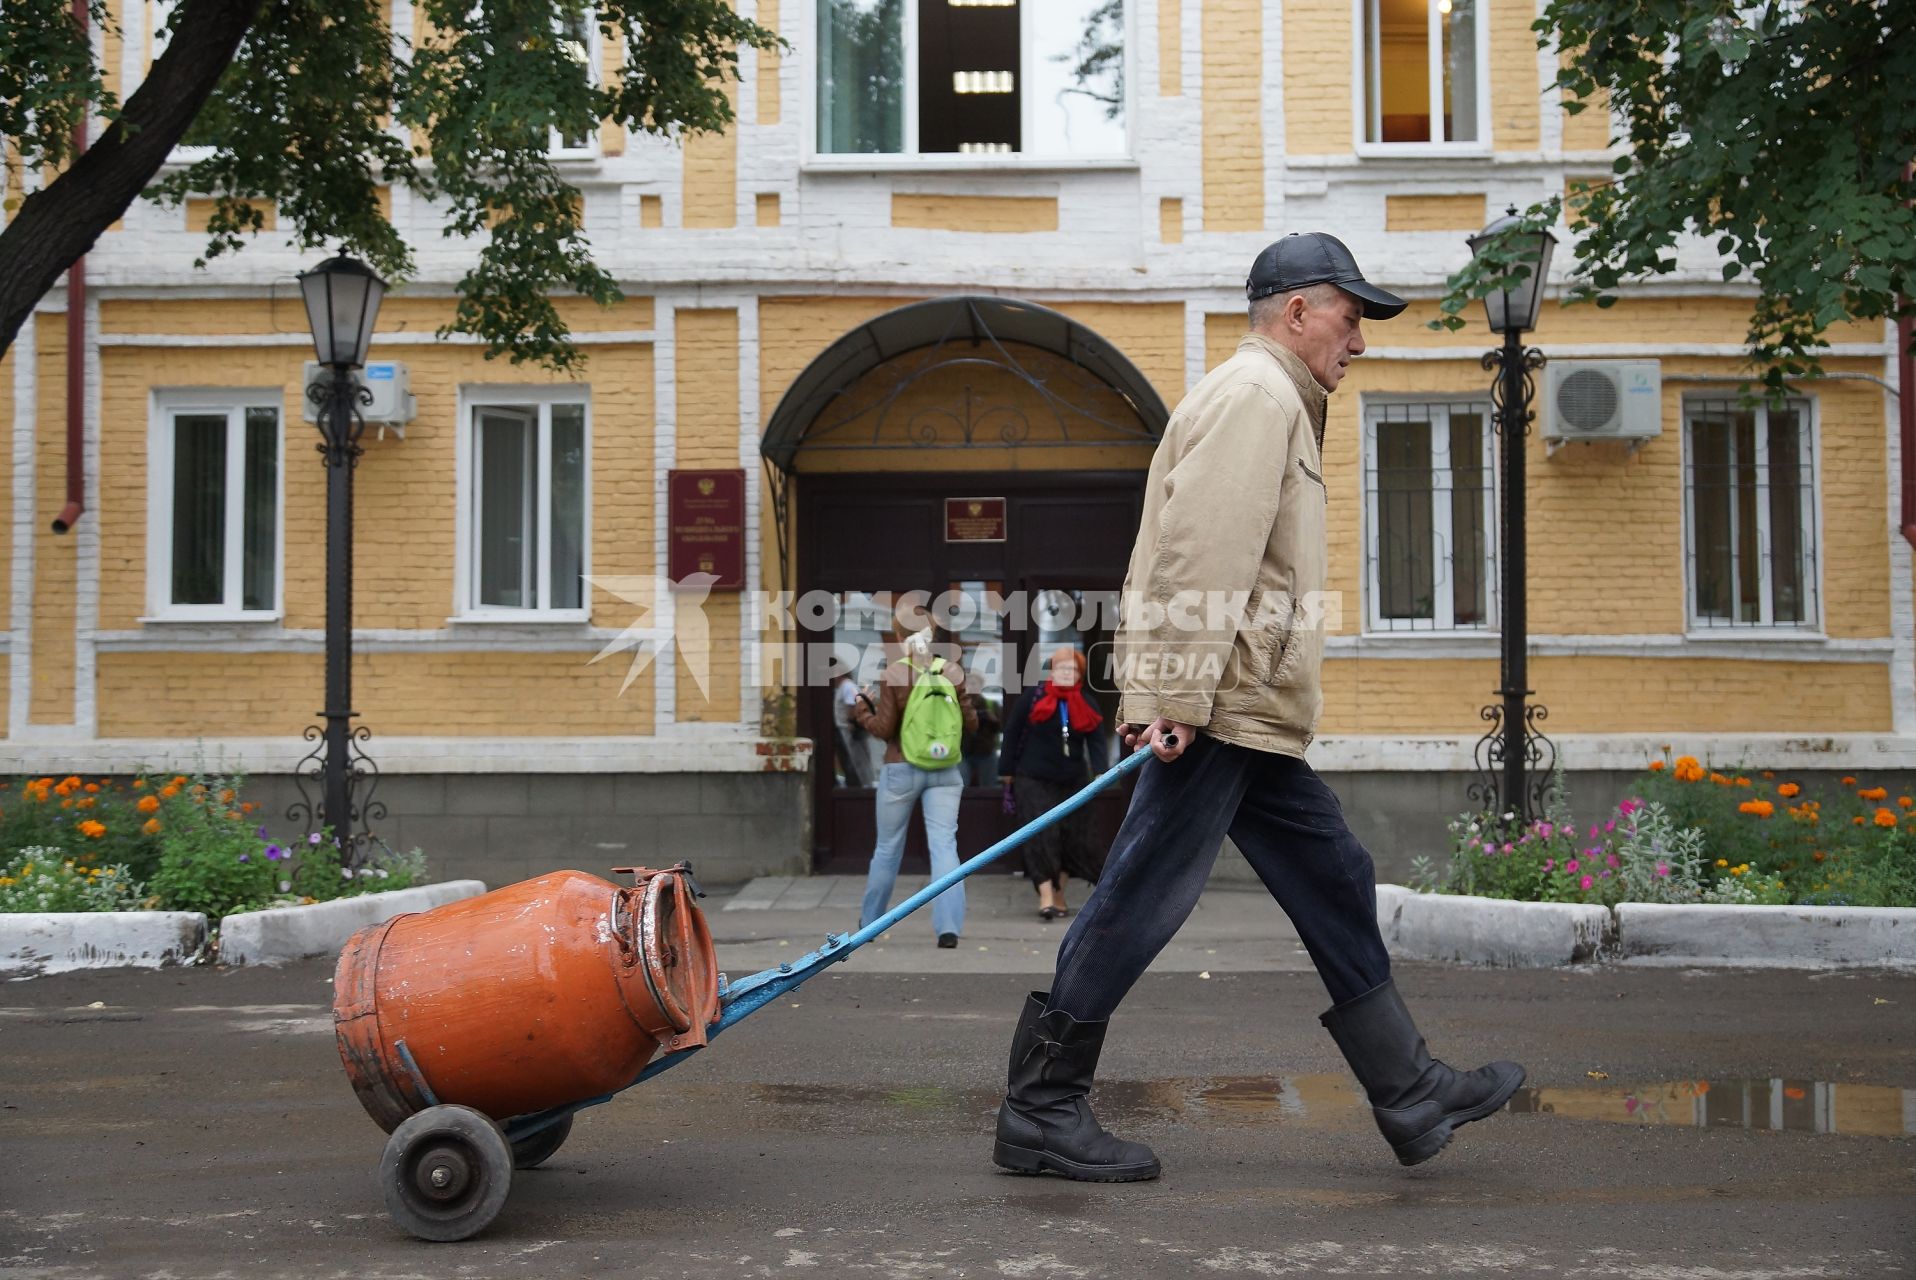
(886, 533)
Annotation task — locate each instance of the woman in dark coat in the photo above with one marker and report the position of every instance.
(1046, 758)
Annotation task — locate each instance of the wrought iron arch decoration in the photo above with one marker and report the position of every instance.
(1005, 336)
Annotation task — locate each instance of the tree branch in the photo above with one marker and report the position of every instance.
(59, 223)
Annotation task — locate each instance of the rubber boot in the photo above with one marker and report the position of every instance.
(1418, 1102)
(1045, 1124)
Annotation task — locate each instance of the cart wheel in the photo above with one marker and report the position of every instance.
(446, 1173)
(530, 1153)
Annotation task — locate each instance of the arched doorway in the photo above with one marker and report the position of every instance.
(987, 452)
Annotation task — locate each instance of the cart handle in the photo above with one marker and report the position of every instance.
(748, 995)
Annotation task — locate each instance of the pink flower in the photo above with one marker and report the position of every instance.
(1544, 829)
(1663, 868)
(1593, 831)
(1611, 860)
(1610, 825)
(1509, 847)
(1471, 843)
(1549, 864)
(1629, 807)
(1572, 866)
(1586, 882)
(1593, 851)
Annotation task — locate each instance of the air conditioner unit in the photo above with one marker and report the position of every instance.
(391, 386)
(1602, 400)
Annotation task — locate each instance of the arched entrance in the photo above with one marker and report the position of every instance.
(987, 452)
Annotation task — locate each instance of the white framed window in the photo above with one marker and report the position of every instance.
(1751, 516)
(579, 38)
(214, 497)
(1422, 76)
(975, 81)
(525, 471)
(1429, 514)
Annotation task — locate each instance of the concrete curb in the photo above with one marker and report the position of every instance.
(58, 941)
(1767, 937)
(1542, 935)
(281, 934)
(1492, 931)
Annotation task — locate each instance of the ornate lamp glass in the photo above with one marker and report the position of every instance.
(1515, 310)
(342, 302)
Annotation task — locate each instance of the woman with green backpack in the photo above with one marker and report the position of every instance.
(921, 715)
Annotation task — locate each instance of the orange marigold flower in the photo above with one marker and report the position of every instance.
(92, 788)
(148, 804)
(179, 779)
(226, 796)
(1857, 821)
(1818, 856)
(66, 804)
(1788, 790)
(1885, 817)
(248, 807)
(168, 791)
(139, 784)
(1904, 802)
(1719, 779)
(91, 830)
(233, 815)
(86, 803)
(1849, 782)
(152, 827)
(71, 780)
(1761, 808)
(1769, 773)
(1742, 782)
(1873, 794)
(1656, 766)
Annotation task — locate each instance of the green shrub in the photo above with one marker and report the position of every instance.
(1690, 833)
(38, 878)
(192, 842)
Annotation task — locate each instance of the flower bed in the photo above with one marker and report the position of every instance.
(172, 843)
(1692, 834)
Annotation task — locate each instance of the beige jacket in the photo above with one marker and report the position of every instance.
(1223, 609)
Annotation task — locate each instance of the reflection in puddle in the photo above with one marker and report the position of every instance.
(1334, 1100)
(1800, 1106)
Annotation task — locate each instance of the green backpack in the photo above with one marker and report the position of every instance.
(933, 724)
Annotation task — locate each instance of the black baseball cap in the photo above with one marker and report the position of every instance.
(1305, 258)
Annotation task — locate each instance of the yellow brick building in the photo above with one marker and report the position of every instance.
(1727, 579)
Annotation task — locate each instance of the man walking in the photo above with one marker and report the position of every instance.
(1227, 700)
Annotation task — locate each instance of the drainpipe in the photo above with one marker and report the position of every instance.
(76, 346)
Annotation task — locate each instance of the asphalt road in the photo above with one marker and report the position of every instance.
(196, 1123)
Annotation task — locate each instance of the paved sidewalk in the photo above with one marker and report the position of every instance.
(775, 918)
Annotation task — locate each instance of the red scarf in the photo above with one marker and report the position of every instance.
(1084, 716)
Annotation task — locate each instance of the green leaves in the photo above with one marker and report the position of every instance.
(47, 76)
(1778, 131)
(324, 105)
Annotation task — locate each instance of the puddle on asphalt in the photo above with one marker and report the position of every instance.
(1334, 1101)
(1797, 1106)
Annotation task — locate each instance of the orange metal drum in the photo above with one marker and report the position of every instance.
(546, 992)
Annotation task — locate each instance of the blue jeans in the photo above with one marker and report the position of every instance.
(1288, 826)
(900, 787)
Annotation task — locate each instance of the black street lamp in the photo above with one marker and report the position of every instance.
(1514, 758)
(342, 301)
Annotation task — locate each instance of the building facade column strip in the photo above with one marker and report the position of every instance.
(1902, 591)
(1272, 112)
(664, 457)
(86, 711)
(1195, 355)
(26, 360)
(750, 676)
